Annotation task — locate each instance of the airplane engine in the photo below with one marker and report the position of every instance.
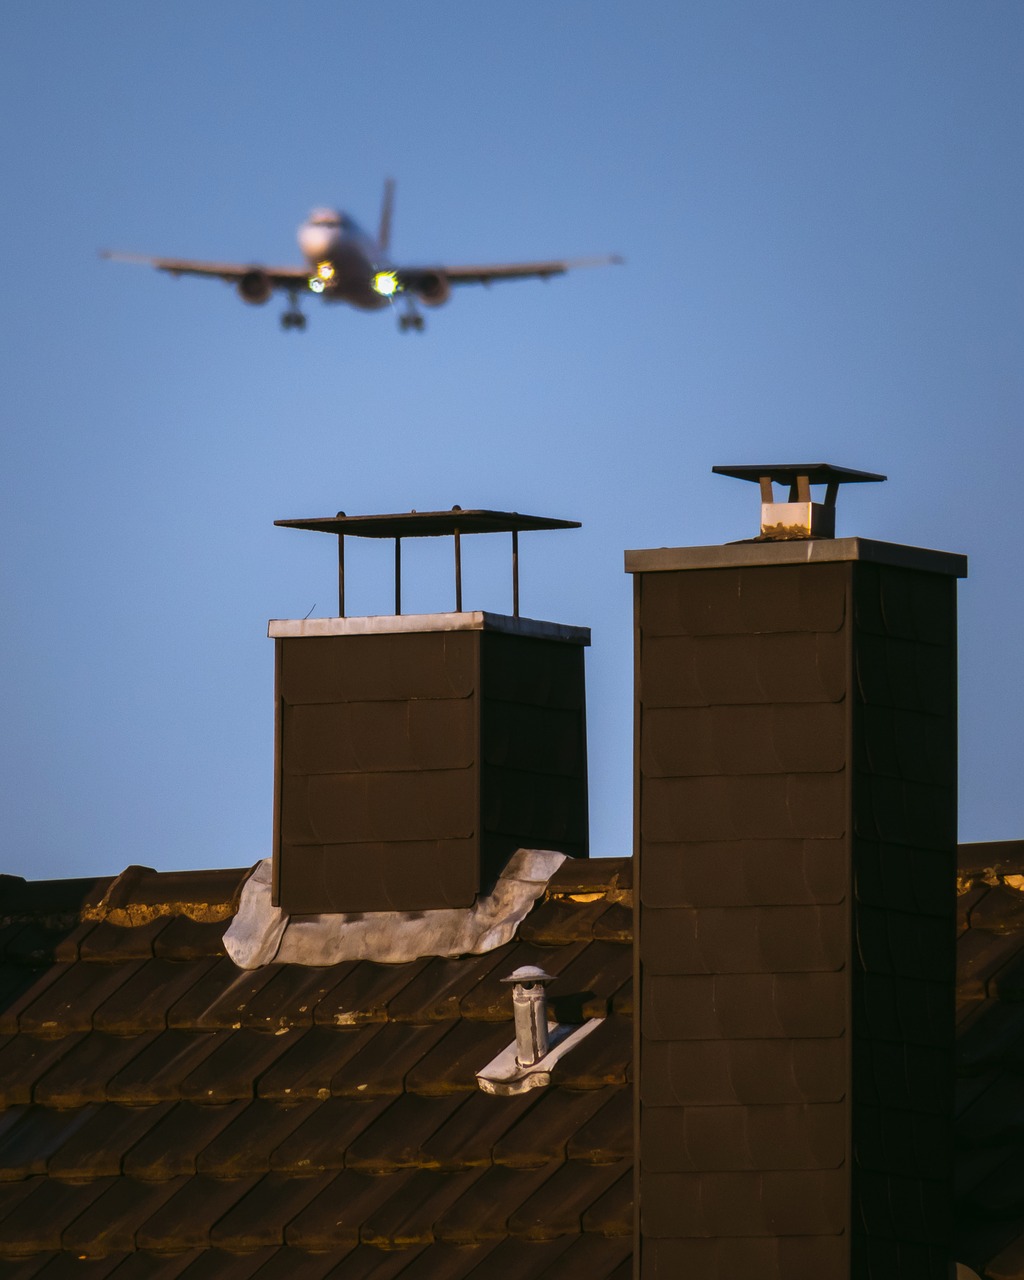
(255, 287)
(432, 288)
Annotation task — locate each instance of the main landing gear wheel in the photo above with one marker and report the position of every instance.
(293, 320)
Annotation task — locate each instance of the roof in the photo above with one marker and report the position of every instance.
(167, 1114)
(990, 1037)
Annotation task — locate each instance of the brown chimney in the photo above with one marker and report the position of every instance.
(796, 840)
(416, 752)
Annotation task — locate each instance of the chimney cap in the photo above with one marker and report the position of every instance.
(801, 517)
(790, 472)
(427, 524)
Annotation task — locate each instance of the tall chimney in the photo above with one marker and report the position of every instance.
(416, 752)
(795, 842)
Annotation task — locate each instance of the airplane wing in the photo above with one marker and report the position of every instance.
(503, 270)
(232, 272)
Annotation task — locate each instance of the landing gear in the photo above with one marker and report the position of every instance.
(293, 317)
(411, 320)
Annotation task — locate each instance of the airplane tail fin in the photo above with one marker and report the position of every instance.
(387, 205)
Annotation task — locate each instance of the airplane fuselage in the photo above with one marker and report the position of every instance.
(343, 259)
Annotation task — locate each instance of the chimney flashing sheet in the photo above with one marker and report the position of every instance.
(263, 934)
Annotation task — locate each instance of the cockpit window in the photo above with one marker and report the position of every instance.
(326, 218)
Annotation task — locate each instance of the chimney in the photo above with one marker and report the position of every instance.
(796, 854)
(416, 752)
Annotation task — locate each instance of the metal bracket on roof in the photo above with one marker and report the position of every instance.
(800, 516)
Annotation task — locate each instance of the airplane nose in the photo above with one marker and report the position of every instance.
(317, 243)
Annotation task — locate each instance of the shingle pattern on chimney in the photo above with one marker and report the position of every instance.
(795, 942)
(165, 1114)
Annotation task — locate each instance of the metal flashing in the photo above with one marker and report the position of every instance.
(262, 934)
(395, 624)
(505, 1076)
(735, 555)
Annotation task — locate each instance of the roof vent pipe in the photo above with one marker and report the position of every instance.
(530, 1009)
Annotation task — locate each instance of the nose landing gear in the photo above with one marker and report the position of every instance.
(411, 320)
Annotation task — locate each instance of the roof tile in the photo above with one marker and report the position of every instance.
(245, 1145)
(26, 1145)
(169, 1146)
(336, 1215)
(542, 1134)
(185, 939)
(364, 993)
(96, 1147)
(592, 1257)
(142, 1003)
(465, 1049)
(110, 942)
(383, 1063)
(68, 1004)
(467, 1138)
(310, 1060)
(394, 1140)
(259, 1218)
(483, 1212)
(407, 1218)
(155, 1075)
(109, 1223)
(81, 1074)
(434, 994)
(321, 1143)
(41, 1215)
(185, 1221)
(230, 1072)
(557, 1207)
(611, 1214)
(608, 1134)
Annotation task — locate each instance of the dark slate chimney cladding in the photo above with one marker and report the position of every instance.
(796, 834)
(412, 763)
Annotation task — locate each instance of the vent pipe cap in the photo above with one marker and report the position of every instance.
(799, 516)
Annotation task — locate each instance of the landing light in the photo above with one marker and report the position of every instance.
(316, 284)
(386, 283)
(325, 271)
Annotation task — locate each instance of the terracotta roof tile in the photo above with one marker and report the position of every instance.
(484, 1212)
(407, 1218)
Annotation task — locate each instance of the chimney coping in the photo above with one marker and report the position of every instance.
(801, 551)
(393, 624)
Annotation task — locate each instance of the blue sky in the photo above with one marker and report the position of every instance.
(820, 208)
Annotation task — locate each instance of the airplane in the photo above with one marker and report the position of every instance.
(346, 264)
